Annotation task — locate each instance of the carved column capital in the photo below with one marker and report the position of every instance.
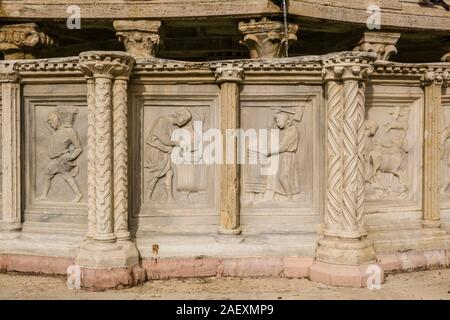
(229, 74)
(357, 72)
(332, 73)
(266, 38)
(107, 64)
(8, 73)
(381, 43)
(140, 37)
(21, 41)
(341, 68)
(433, 76)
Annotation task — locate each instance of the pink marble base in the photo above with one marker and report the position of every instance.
(34, 264)
(289, 267)
(115, 278)
(343, 275)
(414, 260)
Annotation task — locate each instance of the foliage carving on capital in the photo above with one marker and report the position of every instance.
(21, 41)
(381, 43)
(106, 64)
(140, 37)
(266, 38)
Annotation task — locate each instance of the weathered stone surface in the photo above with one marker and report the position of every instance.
(381, 43)
(180, 268)
(342, 275)
(412, 260)
(34, 264)
(252, 267)
(389, 262)
(267, 39)
(22, 41)
(113, 278)
(140, 37)
(295, 267)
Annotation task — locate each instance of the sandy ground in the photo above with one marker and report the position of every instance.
(417, 285)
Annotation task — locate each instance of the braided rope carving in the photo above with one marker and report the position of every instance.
(350, 150)
(334, 145)
(103, 163)
(120, 159)
(361, 162)
(91, 157)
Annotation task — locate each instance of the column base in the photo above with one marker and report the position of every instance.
(112, 278)
(9, 231)
(10, 226)
(109, 265)
(431, 224)
(99, 255)
(235, 231)
(369, 275)
(345, 251)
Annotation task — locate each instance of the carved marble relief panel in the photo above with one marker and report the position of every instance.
(393, 149)
(445, 151)
(164, 187)
(293, 187)
(55, 148)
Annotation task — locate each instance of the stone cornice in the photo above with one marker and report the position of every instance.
(311, 65)
(407, 16)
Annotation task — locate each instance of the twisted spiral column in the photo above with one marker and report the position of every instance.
(332, 217)
(103, 159)
(107, 75)
(345, 147)
(360, 203)
(120, 159)
(91, 157)
(350, 155)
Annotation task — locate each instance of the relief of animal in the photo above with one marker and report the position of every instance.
(389, 160)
